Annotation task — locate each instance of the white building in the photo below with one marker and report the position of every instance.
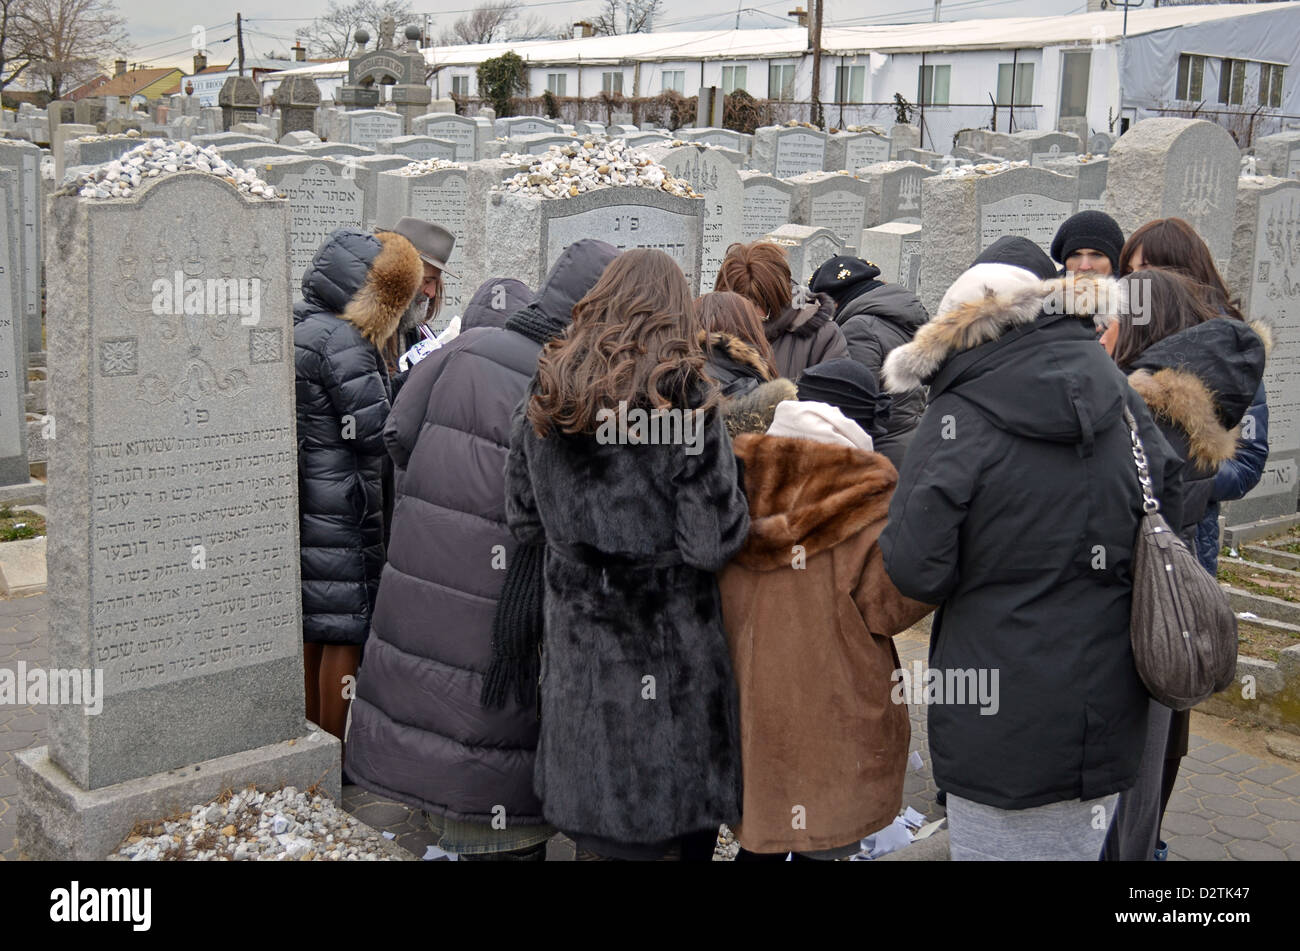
(1232, 62)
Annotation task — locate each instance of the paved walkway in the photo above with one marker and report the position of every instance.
(1228, 804)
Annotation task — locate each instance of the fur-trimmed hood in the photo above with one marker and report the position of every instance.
(1179, 397)
(366, 279)
(808, 493)
(983, 306)
(752, 411)
(719, 343)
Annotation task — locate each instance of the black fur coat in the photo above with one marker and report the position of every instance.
(639, 735)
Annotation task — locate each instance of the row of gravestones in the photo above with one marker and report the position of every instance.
(176, 435)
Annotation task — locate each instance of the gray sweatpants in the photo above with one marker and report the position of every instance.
(1070, 831)
(1133, 836)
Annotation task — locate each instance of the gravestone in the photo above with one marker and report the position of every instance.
(118, 125)
(64, 134)
(97, 150)
(365, 171)
(511, 126)
(1090, 172)
(250, 154)
(441, 197)
(894, 191)
(786, 152)
(24, 160)
(469, 135)
(584, 127)
(621, 130)
(173, 541)
(90, 112)
(769, 204)
(716, 179)
(525, 234)
(1076, 126)
(210, 119)
(805, 248)
(419, 147)
(13, 348)
(895, 248)
(367, 127)
(1265, 270)
(1184, 168)
(57, 112)
(297, 98)
(921, 157)
(447, 106)
(221, 140)
(727, 138)
(1099, 143)
(301, 137)
(183, 128)
(848, 151)
(964, 214)
(832, 201)
(639, 140)
(336, 149)
(973, 139)
(323, 197)
(1042, 146)
(903, 137)
(1279, 154)
(536, 143)
(239, 99)
(258, 130)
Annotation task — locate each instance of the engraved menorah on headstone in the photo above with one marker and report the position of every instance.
(1200, 189)
(909, 193)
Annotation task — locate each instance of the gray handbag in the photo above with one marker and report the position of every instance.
(1183, 629)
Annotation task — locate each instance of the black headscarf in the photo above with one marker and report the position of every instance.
(850, 387)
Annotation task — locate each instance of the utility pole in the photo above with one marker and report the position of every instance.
(818, 119)
(239, 36)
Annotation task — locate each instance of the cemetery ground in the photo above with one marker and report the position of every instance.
(1235, 798)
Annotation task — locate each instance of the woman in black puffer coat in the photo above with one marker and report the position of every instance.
(353, 297)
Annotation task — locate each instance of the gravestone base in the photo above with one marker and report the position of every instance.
(27, 492)
(60, 821)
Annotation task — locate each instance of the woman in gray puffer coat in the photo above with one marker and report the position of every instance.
(876, 318)
(420, 733)
(353, 297)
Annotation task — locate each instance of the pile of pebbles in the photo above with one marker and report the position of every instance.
(568, 171)
(424, 166)
(984, 168)
(281, 826)
(155, 157)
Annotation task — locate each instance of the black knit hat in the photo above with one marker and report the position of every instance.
(1018, 252)
(850, 387)
(1094, 230)
(844, 278)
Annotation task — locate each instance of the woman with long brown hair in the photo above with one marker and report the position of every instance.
(620, 465)
(1197, 371)
(799, 324)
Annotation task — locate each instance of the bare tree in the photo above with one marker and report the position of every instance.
(67, 40)
(15, 56)
(625, 16)
(495, 21)
(331, 35)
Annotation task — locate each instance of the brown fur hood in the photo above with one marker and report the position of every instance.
(1179, 397)
(752, 412)
(738, 350)
(393, 280)
(987, 312)
(803, 492)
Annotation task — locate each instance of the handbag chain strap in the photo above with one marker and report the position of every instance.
(1150, 504)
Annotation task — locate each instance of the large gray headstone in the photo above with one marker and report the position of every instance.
(524, 125)
(848, 151)
(1279, 154)
(806, 248)
(323, 196)
(963, 215)
(24, 159)
(727, 138)
(173, 548)
(419, 147)
(469, 135)
(894, 191)
(368, 126)
(222, 139)
(1265, 272)
(440, 197)
(250, 154)
(1090, 172)
(528, 233)
(903, 137)
(536, 143)
(1181, 168)
(716, 179)
(786, 152)
(65, 133)
(895, 248)
(833, 201)
(921, 157)
(769, 204)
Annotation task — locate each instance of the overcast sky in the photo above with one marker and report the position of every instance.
(160, 30)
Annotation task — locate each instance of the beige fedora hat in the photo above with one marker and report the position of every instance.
(433, 242)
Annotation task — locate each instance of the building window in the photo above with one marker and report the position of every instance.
(733, 78)
(1023, 73)
(780, 82)
(850, 83)
(1076, 65)
(557, 83)
(1191, 76)
(460, 86)
(932, 85)
(1232, 81)
(612, 83)
(674, 80)
(1270, 84)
